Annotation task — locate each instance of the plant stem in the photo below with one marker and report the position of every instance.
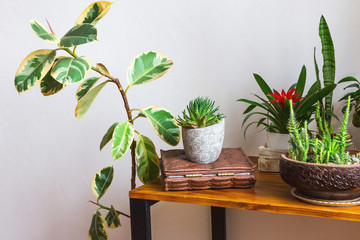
(107, 208)
(127, 108)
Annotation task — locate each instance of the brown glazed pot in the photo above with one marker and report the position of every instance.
(322, 181)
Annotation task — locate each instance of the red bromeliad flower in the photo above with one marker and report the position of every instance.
(280, 98)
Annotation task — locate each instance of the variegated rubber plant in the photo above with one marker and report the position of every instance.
(55, 72)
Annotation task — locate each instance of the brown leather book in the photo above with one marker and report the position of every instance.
(233, 169)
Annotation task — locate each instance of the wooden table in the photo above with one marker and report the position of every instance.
(270, 194)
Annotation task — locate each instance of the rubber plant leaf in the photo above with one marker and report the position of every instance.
(85, 102)
(70, 70)
(80, 34)
(34, 68)
(101, 68)
(112, 218)
(97, 229)
(94, 12)
(148, 164)
(123, 136)
(147, 67)
(164, 124)
(42, 33)
(49, 85)
(102, 181)
(108, 135)
(85, 87)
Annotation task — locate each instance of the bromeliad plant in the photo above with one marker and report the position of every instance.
(325, 148)
(355, 99)
(54, 72)
(201, 113)
(276, 107)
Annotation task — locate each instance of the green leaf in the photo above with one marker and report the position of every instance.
(349, 79)
(102, 181)
(112, 218)
(42, 33)
(101, 68)
(70, 70)
(94, 12)
(148, 164)
(80, 34)
(33, 68)
(164, 124)
(97, 229)
(85, 102)
(263, 85)
(49, 85)
(108, 135)
(329, 60)
(123, 136)
(85, 87)
(147, 67)
(300, 85)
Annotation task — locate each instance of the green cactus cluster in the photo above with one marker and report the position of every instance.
(325, 147)
(201, 113)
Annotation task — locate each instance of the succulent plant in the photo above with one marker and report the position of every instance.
(201, 113)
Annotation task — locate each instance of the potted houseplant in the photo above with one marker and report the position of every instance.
(355, 99)
(54, 72)
(202, 130)
(319, 167)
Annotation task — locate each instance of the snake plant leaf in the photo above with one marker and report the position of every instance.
(101, 68)
(85, 102)
(49, 85)
(42, 33)
(94, 12)
(102, 181)
(33, 68)
(112, 218)
(108, 135)
(70, 70)
(164, 124)
(97, 229)
(147, 67)
(148, 164)
(123, 136)
(80, 34)
(328, 53)
(85, 87)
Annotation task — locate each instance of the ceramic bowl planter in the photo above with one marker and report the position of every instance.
(319, 183)
(203, 145)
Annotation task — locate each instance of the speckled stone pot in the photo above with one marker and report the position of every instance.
(203, 145)
(322, 181)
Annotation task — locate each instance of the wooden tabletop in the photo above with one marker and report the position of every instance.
(270, 194)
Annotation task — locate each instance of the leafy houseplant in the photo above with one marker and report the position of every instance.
(320, 167)
(202, 130)
(355, 99)
(56, 72)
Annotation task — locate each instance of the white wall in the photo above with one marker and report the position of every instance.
(49, 156)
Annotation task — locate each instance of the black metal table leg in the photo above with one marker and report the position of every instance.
(140, 219)
(218, 223)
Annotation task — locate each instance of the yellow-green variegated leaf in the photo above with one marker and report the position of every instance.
(112, 218)
(94, 12)
(102, 181)
(33, 68)
(49, 85)
(85, 102)
(164, 123)
(101, 68)
(85, 87)
(80, 34)
(148, 67)
(108, 135)
(70, 70)
(148, 163)
(123, 136)
(42, 33)
(97, 229)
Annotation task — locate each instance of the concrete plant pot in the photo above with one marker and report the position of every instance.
(203, 145)
(278, 140)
